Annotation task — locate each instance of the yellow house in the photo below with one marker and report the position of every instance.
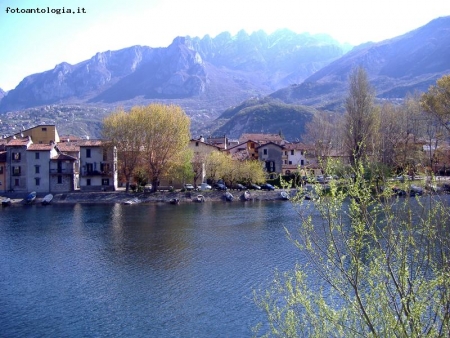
(42, 134)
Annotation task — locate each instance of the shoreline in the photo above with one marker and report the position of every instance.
(120, 197)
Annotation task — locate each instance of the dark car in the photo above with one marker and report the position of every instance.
(220, 186)
(253, 186)
(239, 187)
(267, 186)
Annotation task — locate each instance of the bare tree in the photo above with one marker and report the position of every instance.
(360, 116)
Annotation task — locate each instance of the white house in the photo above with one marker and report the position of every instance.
(98, 166)
(38, 166)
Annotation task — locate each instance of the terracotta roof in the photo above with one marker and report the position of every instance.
(40, 146)
(261, 138)
(91, 143)
(270, 143)
(68, 146)
(18, 142)
(298, 146)
(71, 138)
(64, 157)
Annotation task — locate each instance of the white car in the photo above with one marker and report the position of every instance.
(205, 186)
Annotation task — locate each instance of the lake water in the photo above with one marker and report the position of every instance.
(143, 270)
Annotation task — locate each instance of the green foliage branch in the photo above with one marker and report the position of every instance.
(376, 266)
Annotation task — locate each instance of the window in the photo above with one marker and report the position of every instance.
(88, 152)
(301, 153)
(285, 153)
(292, 152)
(16, 171)
(36, 156)
(290, 162)
(16, 182)
(105, 154)
(104, 168)
(285, 162)
(89, 167)
(88, 181)
(37, 169)
(105, 181)
(59, 179)
(37, 180)
(265, 151)
(196, 144)
(1, 170)
(16, 156)
(44, 129)
(302, 162)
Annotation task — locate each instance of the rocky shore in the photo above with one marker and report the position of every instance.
(121, 196)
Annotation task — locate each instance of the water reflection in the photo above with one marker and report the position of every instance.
(146, 270)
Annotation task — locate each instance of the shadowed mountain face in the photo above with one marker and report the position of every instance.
(408, 63)
(206, 70)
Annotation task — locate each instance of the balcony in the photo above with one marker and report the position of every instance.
(62, 171)
(96, 173)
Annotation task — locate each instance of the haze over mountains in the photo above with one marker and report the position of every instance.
(280, 73)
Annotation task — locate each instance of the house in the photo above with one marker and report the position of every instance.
(44, 134)
(2, 171)
(244, 151)
(200, 151)
(63, 173)
(38, 166)
(16, 164)
(218, 141)
(271, 155)
(261, 139)
(98, 166)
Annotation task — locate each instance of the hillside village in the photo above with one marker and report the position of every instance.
(38, 159)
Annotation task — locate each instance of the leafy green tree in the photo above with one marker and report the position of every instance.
(376, 266)
(437, 101)
(155, 136)
(123, 130)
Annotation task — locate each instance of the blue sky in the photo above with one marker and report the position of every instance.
(32, 43)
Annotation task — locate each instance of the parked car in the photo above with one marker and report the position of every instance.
(253, 186)
(267, 186)
(239, 187)
(205, 186)
(188, 187)
(220, 186)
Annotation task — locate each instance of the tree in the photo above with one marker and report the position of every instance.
(324, 132)
(154, 136)
(375, 266)
(165, 138)
(360, 116)
(437, 101)
(123, 130)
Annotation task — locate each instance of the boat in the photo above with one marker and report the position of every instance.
(246, 196)
(284, 195)
(200, 198)
(6, 201)
(229, 196)
(31, 197)
(174, 201)
(47, 199)
(131, 201)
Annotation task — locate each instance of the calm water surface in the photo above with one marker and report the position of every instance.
(139, 270)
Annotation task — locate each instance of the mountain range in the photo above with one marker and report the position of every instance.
(262, 77)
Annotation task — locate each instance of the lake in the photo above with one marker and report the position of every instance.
(143, 270)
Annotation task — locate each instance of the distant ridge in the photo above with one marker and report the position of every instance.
(217, 72)
(401, 65)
